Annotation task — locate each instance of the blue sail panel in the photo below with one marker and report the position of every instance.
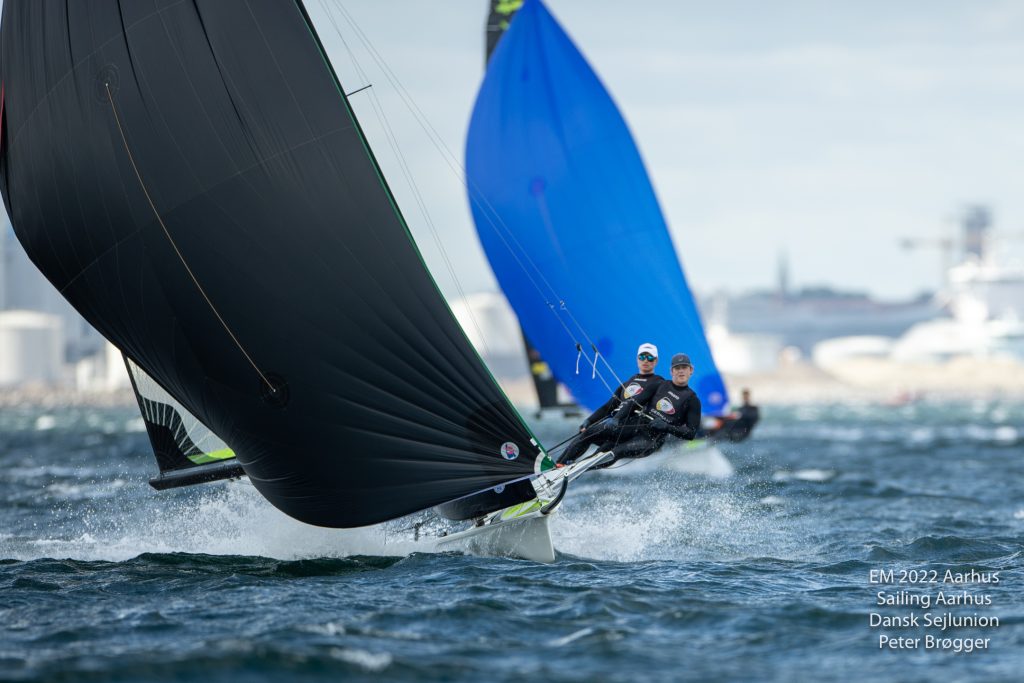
(565, 212)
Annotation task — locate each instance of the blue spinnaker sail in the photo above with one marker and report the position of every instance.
(566, 213)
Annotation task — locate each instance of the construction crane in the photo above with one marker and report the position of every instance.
(945, 245)
(975, 222)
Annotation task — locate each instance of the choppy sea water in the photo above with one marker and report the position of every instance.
(662, 575)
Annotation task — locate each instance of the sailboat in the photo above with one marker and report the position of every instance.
(551, 167)
(193, 180)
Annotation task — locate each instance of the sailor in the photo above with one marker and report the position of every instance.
(675, 407)
(621, 409)
(737, 426)
(673, 410)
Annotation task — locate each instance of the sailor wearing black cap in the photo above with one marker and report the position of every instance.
(675, 407)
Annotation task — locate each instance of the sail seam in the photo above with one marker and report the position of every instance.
(86, 58)
(407, 173)
(401, 219)
(174, 244)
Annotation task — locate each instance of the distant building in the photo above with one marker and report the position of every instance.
(23, 287)
(985, 298)
(805, 317)
(743, 353)
(981, 313)
(31, 349)
(494, 331)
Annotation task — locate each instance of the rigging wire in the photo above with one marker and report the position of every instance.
(453, 163)
(477, 197)
(174, 245)
(406, 173)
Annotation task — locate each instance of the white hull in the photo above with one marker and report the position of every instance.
(522, 531)
(526, 538)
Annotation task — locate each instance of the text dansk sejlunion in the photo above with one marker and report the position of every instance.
(928, 620)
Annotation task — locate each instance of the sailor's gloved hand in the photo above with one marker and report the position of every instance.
(659, 425)
(623, 411)
(584, 426)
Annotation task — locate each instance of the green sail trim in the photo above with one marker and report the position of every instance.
(215, 456)
(522, 509)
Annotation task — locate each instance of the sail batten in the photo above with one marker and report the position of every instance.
(260, 172)
(186, 451)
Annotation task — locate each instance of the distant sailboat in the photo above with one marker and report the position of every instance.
(192, 179)
(552, 167)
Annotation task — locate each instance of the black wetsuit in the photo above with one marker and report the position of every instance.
(639, 388)
(676, 411)
(637, 392)
(739, 428)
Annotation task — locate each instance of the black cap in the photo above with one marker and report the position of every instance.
(681, 359)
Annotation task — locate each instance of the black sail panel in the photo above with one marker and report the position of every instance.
(498, 19)
(187, 452)
(191, 178)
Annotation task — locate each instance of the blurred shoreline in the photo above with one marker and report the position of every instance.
(859, 380)
(45, 397)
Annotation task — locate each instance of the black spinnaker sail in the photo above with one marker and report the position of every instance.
(192, 179)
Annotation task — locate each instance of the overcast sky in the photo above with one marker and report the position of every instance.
(825, 131)
(822, 130)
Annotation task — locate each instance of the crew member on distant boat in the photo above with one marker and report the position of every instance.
(737, 426)
(633, 393)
